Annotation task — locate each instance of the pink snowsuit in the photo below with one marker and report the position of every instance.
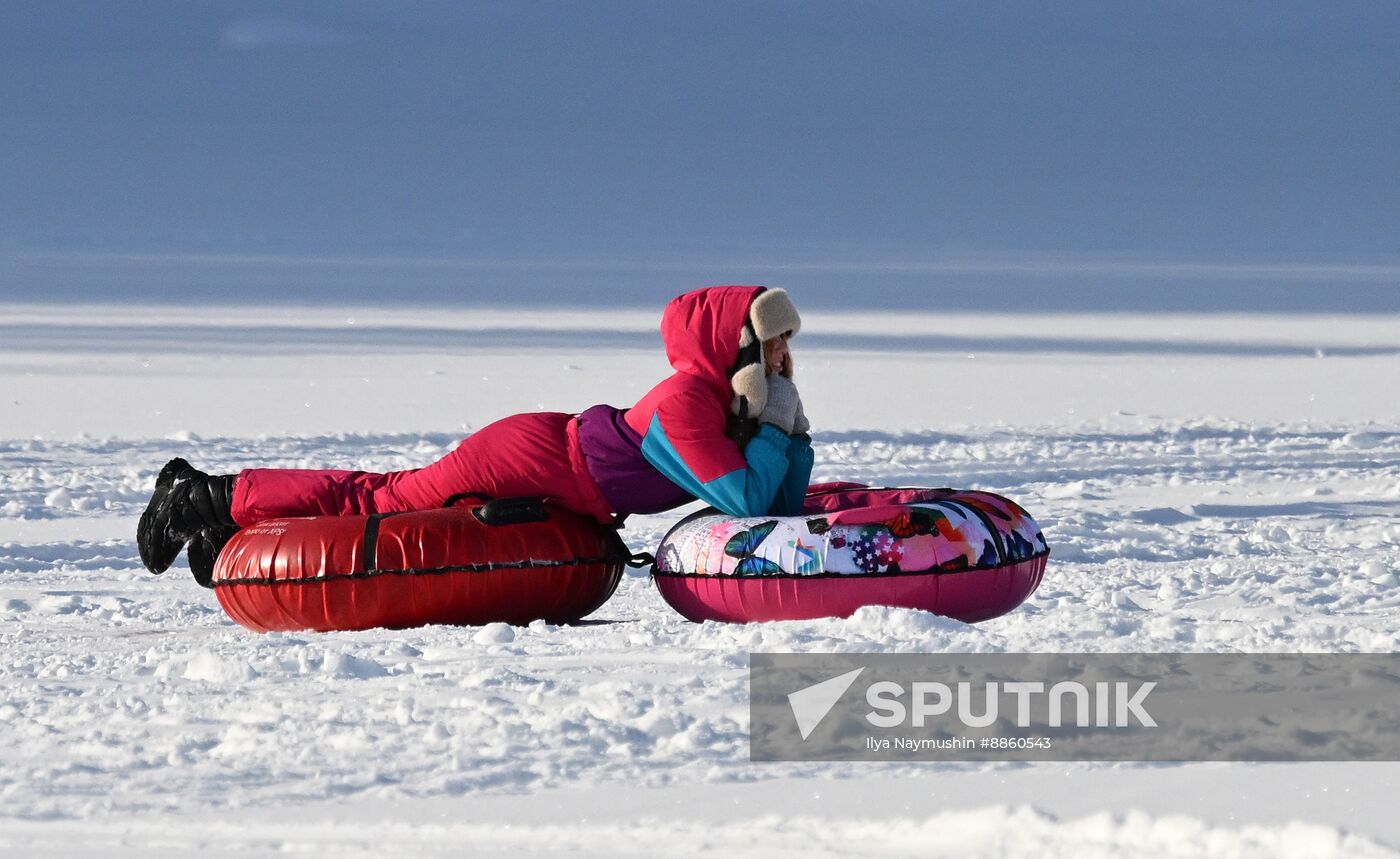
(667, 450)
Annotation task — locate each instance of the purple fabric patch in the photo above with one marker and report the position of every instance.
(613, 452)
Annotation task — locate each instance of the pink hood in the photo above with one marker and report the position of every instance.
(701, 331)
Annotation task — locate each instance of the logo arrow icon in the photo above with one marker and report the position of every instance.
(811, 704)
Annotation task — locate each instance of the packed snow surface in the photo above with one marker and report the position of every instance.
(1206, 483)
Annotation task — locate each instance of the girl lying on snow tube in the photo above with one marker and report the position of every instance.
(727, 427)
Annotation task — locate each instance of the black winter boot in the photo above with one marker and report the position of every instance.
(185, 502)
(204, 551)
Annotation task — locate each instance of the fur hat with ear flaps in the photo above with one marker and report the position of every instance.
(772, 314)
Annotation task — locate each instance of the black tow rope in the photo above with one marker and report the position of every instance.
(641, 559)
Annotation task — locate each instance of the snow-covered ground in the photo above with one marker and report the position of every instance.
(1207, 483)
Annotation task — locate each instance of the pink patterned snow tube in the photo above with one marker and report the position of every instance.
(964, 554)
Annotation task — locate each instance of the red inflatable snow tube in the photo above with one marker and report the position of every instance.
(963, 554)
(510, 560)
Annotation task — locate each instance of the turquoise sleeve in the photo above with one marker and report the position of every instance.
(749, 491)
(793, 491)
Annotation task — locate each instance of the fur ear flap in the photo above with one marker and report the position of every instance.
(750, 385)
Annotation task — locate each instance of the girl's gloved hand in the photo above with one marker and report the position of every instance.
(783, 403)
(800, 426)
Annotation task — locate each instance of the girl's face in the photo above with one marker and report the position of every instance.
(776, 358)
